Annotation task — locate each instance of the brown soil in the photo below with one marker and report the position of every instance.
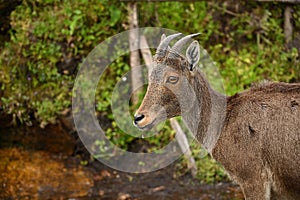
(39, 163)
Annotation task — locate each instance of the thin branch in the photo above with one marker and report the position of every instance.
(184, 145)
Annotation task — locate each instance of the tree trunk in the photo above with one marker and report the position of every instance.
(134, 52)
(146, 53)
(288, 27)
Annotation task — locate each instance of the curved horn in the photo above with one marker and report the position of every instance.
(179, 45)
(165, 42)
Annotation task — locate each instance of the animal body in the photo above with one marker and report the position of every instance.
(253, 134)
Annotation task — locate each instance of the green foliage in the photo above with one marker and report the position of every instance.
(209, 171)
(191, 17)
(246, 42)
(261, 52)
(48, 40)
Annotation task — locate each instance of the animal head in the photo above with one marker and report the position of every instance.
(170, 91)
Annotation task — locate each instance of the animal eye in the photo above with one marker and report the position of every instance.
(172, 79)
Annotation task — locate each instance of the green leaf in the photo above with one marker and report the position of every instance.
(115, 15)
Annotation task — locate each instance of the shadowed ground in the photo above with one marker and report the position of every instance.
(39, 163)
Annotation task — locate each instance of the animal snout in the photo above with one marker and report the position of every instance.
(138, 118)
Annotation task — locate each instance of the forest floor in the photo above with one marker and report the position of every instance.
(40, 163)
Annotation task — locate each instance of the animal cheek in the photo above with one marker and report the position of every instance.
(167, 96)
(171, 104)
(173, 110)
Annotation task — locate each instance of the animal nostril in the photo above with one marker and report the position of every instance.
(138, 118)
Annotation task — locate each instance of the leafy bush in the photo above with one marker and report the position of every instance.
(48, 40)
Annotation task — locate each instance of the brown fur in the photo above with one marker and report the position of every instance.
(258, 144)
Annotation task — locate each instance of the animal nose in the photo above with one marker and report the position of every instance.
(138, 118)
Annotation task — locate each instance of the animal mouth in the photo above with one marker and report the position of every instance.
(145, 122)
(147, 126)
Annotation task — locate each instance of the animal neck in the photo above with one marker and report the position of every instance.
(206, 116)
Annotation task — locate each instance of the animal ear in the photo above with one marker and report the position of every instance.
(193, 54)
